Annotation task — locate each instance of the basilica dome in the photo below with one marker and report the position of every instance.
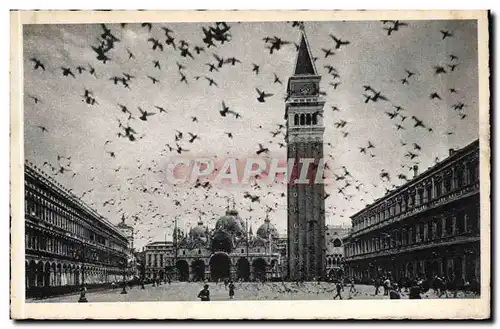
(231, 223)
(267, 229)
(198, 231)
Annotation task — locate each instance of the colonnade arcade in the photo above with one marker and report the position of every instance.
(459, 261)
(219, 266)
(40, 273)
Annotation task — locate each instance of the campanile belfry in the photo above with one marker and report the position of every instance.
(306, 203)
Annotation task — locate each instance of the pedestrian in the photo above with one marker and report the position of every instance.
(387, 285)
(353, 288)
(226, 282)
(393, 293)
(415, 291)
(339, 289)
(377, 285)
(204, 294)
(231, 289)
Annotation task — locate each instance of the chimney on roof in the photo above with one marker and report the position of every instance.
(451, 152)
(415, 171)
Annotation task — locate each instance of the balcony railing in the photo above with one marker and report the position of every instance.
(439, 242)
(454, 195)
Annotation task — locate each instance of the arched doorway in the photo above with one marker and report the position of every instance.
(220, 266)
(431, 269)
(40, 278)
(259, 268)
(457, 267)
(243, 269)
(182, 270)
(409, 270)
(46, 274)
(419, 269)
(198, 268)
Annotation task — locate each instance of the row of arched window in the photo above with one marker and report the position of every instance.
(427, 230)
(461, 175)
(305, 119)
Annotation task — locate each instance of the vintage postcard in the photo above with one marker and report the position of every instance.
(280, 164)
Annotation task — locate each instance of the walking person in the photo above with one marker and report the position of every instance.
(231, 289)
(353, 288)
(377, 285)
(339, 289)
(204, 294)
(387, 285)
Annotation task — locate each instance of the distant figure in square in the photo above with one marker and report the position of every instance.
(376, 283)
(387, 285)
(231, 289)
(415, 291)
(204, 294)
(393, 292)
(339, 289)
(353, 288)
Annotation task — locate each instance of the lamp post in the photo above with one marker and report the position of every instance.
(124, 290)
(81, 257)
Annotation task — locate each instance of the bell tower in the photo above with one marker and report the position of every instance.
(306, 203)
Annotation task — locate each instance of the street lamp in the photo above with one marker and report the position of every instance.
(124, 290)
(80, 255)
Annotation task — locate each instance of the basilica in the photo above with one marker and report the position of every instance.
(228, 250)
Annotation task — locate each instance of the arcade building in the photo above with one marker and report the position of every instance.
(67, 243)
(429, 226)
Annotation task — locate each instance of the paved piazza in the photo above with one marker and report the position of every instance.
(182, 291)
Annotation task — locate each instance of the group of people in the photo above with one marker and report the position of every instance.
(417, 286)
(204, 294)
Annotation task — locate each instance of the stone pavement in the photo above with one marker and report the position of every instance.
(183, 291)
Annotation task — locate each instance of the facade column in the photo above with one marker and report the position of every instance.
(443, 225)
(464, 266)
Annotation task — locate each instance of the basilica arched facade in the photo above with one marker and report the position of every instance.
(228, 250)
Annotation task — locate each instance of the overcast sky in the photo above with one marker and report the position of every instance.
(79, 130)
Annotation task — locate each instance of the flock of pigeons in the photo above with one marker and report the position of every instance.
(212, 38)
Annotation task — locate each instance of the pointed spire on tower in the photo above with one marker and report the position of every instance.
(304, 64)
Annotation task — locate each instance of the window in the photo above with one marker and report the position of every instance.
(439, 189)
(429, 192)
(420, 196)
(430, 230)
(421, 231)
(459, 177)
(447, 184)
(315, 118)
(199, 251)
(337, 243)
(302, 119)
(242, 250)
(296, 119)
(308, 119)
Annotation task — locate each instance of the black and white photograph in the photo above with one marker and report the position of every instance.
(220, 161)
